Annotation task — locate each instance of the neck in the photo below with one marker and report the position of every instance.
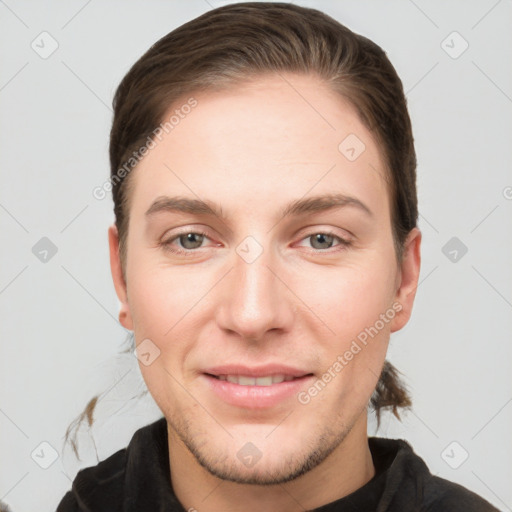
(346, 469)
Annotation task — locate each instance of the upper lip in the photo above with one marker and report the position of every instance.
(256, 371)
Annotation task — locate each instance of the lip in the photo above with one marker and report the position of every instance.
(256, 371)
(256, 397)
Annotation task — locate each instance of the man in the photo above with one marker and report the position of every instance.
(265, 248)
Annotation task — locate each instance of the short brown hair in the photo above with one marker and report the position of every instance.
(231, 44)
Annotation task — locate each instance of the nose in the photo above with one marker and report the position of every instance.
(255, 300)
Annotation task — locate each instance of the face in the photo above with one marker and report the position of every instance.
(263, 314)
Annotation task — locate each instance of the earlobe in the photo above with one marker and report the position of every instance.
(409, 275)
(125, 317)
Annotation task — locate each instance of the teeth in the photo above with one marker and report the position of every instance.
(244, 380)
(264, 381)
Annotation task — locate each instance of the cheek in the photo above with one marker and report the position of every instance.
(158, 297)
(351, 304)
(160, 301)
(350, 298)
(152, 308)
(164, 303)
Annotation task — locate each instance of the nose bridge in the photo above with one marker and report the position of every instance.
(255, 300)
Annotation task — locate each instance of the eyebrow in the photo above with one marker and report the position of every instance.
(299, 207)
(185, 205)
(322, 203)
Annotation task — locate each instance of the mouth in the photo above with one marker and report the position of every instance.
(256, 388)
(246, 380)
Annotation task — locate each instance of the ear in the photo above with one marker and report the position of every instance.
(125, 317)
(408, 276)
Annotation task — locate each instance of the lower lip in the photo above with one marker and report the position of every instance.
(256, 397)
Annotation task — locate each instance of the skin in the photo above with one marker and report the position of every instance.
(253, 150)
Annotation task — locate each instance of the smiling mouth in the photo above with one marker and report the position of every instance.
(247, 380)
(256, 388)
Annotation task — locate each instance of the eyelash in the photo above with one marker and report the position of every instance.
(167, 245)
(181, 252)
(342, 245)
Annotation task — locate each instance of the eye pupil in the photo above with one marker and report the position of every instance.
(189, 241)
(322, 238)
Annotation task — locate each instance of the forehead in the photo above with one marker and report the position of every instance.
(283, 134)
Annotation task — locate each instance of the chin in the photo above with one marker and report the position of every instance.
(263, 456)
(280, 469)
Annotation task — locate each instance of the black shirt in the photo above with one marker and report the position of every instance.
(137, 479)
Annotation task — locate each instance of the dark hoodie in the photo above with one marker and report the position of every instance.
(137, 479)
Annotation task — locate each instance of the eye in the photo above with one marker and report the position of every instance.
(324, 240)
(184, 242)
(187, 242)
(191, 240)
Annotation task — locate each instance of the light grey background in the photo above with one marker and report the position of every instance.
(60, 337)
